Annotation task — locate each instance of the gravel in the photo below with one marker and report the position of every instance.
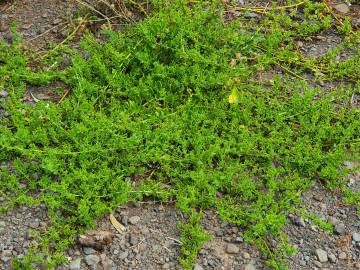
(356, 237)
(232, 249)
(340, 228)
(134, 220)
(250, 266)
(92, 260)
(75, 264)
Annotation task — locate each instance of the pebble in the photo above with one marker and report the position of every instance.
(75, 264)
(92, 260)
(134, 219)
(321, 255)
(198, 267)
(246, 255)
(6, 255)
(318, 264)
(166, 266)
(251, 15)
(123, 255)
(300, 222)
(342, 255)
(333, 221)
(332, 258)
(340, 228)
(342, 8)
(232, 248)
(3, 93)
(250, 266)
(356, 237)
(88, 250)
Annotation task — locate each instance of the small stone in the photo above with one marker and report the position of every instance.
(232, 248)
(250, 266)
(318, 264)
(166, 266)
(246, 255)
(332, 258)
(198, 267)
(92, 260)
(106, 262)
(6, 255)
(318, 197)
(75, 264)
(251, 15)
(123, 255)
(5, 259)
(3, 93)
(333, 221)
(322, 255)
(134, 240)
(342, 8)
(356, 237)
(88, 250)
(239, 239)
(342, 255)
(134, 219)
(340, 228)
(2, 224)
(34, 224)
(300, 222)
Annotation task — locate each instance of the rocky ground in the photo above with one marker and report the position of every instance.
(151, 239)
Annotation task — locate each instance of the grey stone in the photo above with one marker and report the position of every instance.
(92, 260)
(251, 15)
(342, 255)
(342, 8)
(321, 255)
(134, 219)
(356, 237)
(232, 248)
(88, 250)
(239, 239)
(340, 228)
(250, 266)
(2, 224)
(318, 264)
(300, 222)
(332, 258)
(134, 240)
(34, 224)
(198, 267)
(123, 255)
(75, 264)
(166, 266)
(333, 221)
(3, 93)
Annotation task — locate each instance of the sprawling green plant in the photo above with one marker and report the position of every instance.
(171, 107)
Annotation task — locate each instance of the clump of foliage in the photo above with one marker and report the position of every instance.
(152, 103)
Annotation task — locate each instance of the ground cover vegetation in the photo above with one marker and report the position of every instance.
(172, 108)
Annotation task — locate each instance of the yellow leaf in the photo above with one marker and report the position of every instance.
(238, 56)
(232, 63)
(117, 225)
(234, 97)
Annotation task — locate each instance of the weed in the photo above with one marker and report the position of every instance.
(152, 103)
